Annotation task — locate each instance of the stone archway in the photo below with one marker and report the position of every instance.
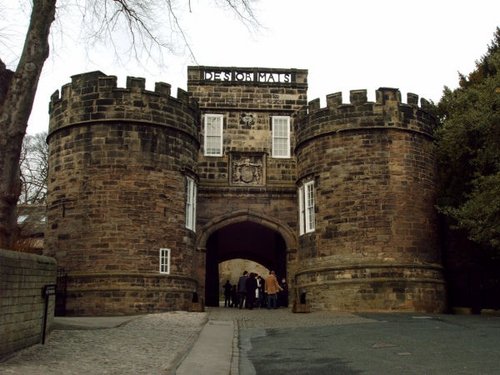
(247, 236)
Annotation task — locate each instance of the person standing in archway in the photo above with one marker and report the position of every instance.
(251, 287)
(283, 295)
(259, 293)
(227, 294)
(272, 289)
(234, 296)
(242, 289)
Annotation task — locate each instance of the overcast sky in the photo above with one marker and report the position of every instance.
(416, 46)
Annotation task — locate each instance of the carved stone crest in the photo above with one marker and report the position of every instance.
(247, 120)
(247, 169)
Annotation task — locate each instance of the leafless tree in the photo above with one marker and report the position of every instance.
(105, 19)
(34, 169)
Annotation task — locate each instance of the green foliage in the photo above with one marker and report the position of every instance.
(480, 212)
(469, 150)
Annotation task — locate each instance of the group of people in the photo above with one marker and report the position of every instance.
(253, 290)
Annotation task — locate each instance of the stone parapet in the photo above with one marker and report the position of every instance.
(386, 112)
(251, 76)
(94, 97)
(257, 91)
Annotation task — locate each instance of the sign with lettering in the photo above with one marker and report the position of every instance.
(49, 290)
(246, 76)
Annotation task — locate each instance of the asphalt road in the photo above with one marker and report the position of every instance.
(386, 344)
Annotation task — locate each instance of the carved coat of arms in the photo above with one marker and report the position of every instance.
(247, 170)
(247, 120)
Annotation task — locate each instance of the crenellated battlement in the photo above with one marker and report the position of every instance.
(388, 110)
(384, 95)
(95, 97)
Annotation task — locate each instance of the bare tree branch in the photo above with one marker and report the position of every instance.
(34, 169)
(108, 21)
(147, 22)
(179, 27)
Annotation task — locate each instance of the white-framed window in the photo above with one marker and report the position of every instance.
(165, 260)
(191, 191)
(213, 134)
(306, 208)
(281, 136)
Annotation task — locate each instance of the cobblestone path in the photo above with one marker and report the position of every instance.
(150, 344)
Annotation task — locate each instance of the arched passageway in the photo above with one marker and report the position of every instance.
(246, 240)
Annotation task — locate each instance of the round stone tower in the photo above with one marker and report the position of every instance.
(121, 160)
(374, 246)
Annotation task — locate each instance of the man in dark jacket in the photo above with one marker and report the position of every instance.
(242, 288)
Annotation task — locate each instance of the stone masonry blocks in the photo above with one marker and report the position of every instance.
(374, 170)
(120, 157)
(22, 278)
(119, 162)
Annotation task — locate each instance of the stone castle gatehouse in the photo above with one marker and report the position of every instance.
(148, 193)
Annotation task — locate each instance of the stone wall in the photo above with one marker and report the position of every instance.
(375, 244)
(247, 106)
(119, 159)
(22, 277)
(119, 163)
(248, 98)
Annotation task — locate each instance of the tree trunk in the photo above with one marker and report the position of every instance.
(15, 109)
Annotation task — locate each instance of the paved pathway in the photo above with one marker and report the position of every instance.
(390, 344)
(213, 351)
(155, 343)
(246, 342)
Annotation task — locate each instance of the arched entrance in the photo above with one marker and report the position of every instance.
(243, 237)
